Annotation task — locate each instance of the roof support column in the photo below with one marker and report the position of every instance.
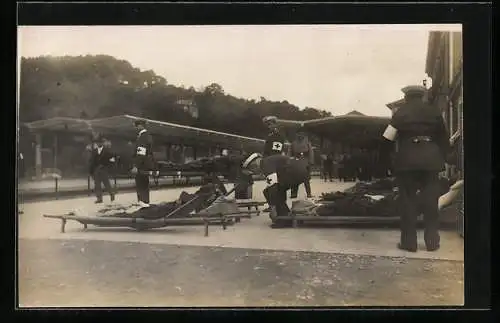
(38, 155)
(55, 143)
(183, 153)
(168, 151)
(195, 151)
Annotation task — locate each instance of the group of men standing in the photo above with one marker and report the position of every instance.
(416, 137)
(361, 164)
(417, 141)
(103, 159)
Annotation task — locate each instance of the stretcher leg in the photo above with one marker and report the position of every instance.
(63, 225)
(206, 226)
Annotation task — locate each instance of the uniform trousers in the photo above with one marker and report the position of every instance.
(276, 197)
(142, 187)
(419, 192)
(307, 184)
(101, 177)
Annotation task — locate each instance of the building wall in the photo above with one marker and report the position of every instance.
(445, 68)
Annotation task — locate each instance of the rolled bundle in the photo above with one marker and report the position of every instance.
(448, 198)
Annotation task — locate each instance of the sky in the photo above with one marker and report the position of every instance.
(337, 68)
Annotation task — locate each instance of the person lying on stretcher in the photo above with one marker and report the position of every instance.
(282, 173)
(208, 192)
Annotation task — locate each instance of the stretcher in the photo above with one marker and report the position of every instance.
(308, 214)
(183, 215)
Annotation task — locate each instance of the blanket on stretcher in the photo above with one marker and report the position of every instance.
(377, 199)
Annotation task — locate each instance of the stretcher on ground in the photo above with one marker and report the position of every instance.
(307, 213)
(185, 214)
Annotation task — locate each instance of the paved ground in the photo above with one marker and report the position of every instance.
(236, 267)
(96, 273)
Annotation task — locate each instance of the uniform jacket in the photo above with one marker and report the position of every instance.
(412, 121)
(143, 155)
(302, 149)
(284, 170)
(275, 144)
(102, 159)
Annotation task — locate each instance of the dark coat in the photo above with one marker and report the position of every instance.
(143, 155)
(289, 171)
(275, 144)
(101, 160)
(414, 120)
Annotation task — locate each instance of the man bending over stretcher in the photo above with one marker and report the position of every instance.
(282, 173)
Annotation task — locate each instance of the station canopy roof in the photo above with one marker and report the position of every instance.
(353, 127)
(123, 126)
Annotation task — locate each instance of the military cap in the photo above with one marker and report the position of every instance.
(247, 160)
(139, 122)
(414, 89)
(98, 139)
(270, 119)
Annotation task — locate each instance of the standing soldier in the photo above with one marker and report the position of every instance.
(101, 161)
(275, 141)
(274, 144)
(302, 150)
(422, 148)
(143, 164)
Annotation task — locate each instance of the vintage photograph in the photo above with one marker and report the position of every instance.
(240, 166)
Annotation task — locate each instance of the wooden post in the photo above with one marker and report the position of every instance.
(168, 151)
(195, 152)
(57, 187)
(55, 150)
(38, 155)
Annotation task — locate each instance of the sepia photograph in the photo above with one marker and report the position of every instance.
(240, 165)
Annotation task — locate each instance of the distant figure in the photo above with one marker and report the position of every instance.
(302, 150)
(101, 161)
(421, 149)
(328, 167)
(323, 166)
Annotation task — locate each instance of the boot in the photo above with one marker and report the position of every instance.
(405, 248)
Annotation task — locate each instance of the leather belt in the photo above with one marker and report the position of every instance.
(418, 139)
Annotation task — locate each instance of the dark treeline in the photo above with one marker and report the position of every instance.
(102, 86)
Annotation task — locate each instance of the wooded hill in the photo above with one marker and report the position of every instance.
(102, 86)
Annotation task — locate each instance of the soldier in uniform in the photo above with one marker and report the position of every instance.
(282, 173)
(422, 148)
(275, 142)
(143, 162)
(101, 161)
(302, 150)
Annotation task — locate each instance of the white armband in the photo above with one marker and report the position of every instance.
(141, 151)
(277, 146)
(271, 179)
(112, 159)
(390, 133)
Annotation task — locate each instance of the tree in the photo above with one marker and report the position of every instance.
(102, 86)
